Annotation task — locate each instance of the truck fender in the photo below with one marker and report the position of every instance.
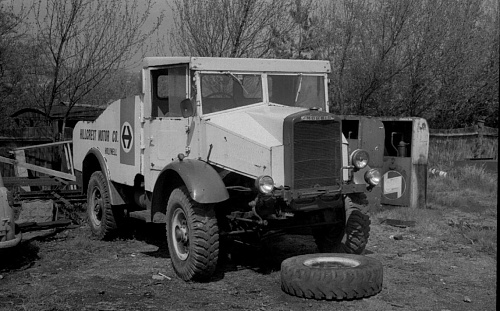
(202, 181)
(94, 161)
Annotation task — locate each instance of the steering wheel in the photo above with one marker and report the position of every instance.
(223, 97)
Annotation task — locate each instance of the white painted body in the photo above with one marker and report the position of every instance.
(247, 140)
(104, 134)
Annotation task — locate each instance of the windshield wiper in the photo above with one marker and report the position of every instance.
(238, 80)
(298, 90)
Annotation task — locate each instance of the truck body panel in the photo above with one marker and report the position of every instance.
(241, 64)
(116, 134)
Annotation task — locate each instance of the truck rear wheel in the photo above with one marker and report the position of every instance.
(193, 236)
(99, 210)
(351, 239)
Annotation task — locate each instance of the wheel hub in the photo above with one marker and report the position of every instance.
(96, 214)
(180, 234)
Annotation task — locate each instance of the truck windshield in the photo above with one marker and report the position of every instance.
(228, 90)
(297, 90)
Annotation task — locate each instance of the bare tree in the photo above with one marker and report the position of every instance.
(11, 20)
(12, 31)
(228, 28)
(342, 22)
(305, 38)
(79, 43)
(433, 58)
(436, 59)
(468, 71)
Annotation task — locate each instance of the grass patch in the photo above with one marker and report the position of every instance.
(485, 240)
(467, 188)
(462, 208)
(427, 221)
(477, 178)
(473, 192)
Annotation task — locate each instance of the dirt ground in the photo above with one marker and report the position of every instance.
(68, 270)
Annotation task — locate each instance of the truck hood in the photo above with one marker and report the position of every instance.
(260, 123)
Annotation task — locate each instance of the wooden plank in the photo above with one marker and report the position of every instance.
(39, 169)
(60, 198)
(452, 134)
(39, 181)
(7, 160)
(45, 145)
(19, 170)
(34, 226)
(48, 196)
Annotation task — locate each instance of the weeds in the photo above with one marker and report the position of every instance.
(469, 196)
(471, 190)
(477, 178)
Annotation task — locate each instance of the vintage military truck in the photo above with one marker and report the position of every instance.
(225, 148)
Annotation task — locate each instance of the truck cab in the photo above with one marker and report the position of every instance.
(225, 147)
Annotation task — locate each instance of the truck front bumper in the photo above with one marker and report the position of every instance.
(318, 198)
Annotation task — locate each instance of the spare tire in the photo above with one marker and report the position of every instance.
(331, 276)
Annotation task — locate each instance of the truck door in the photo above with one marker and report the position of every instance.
(165, 134)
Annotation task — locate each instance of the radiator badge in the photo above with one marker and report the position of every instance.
(317, 118)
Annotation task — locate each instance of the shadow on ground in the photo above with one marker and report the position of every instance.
(19, 257)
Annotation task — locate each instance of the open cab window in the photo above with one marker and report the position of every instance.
(169, 88)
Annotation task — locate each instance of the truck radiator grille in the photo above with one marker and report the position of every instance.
(316, 154)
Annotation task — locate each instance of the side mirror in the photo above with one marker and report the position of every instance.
(187, 108)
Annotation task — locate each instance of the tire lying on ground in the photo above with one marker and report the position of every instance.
(331, 276)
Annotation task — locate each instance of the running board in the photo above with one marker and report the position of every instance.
(144, 215)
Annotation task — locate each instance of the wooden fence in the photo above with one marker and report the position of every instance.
(448, 146)
(49, 157)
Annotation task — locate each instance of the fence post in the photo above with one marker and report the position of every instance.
(20, 170)
(478, 152)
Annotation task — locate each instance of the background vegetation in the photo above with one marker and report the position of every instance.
(437, 59)
(69, 52)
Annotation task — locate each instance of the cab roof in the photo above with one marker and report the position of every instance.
(242, 64)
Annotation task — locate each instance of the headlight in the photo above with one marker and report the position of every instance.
(372, 177)
(265, 184)
(359, 158)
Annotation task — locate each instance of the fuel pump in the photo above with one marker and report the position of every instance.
(405, 161)
(401, 150)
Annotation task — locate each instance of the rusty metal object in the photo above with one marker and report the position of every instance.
(8, 235)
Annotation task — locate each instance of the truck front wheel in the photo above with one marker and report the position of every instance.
(102, 221)
(351, 239)
(193, 236)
